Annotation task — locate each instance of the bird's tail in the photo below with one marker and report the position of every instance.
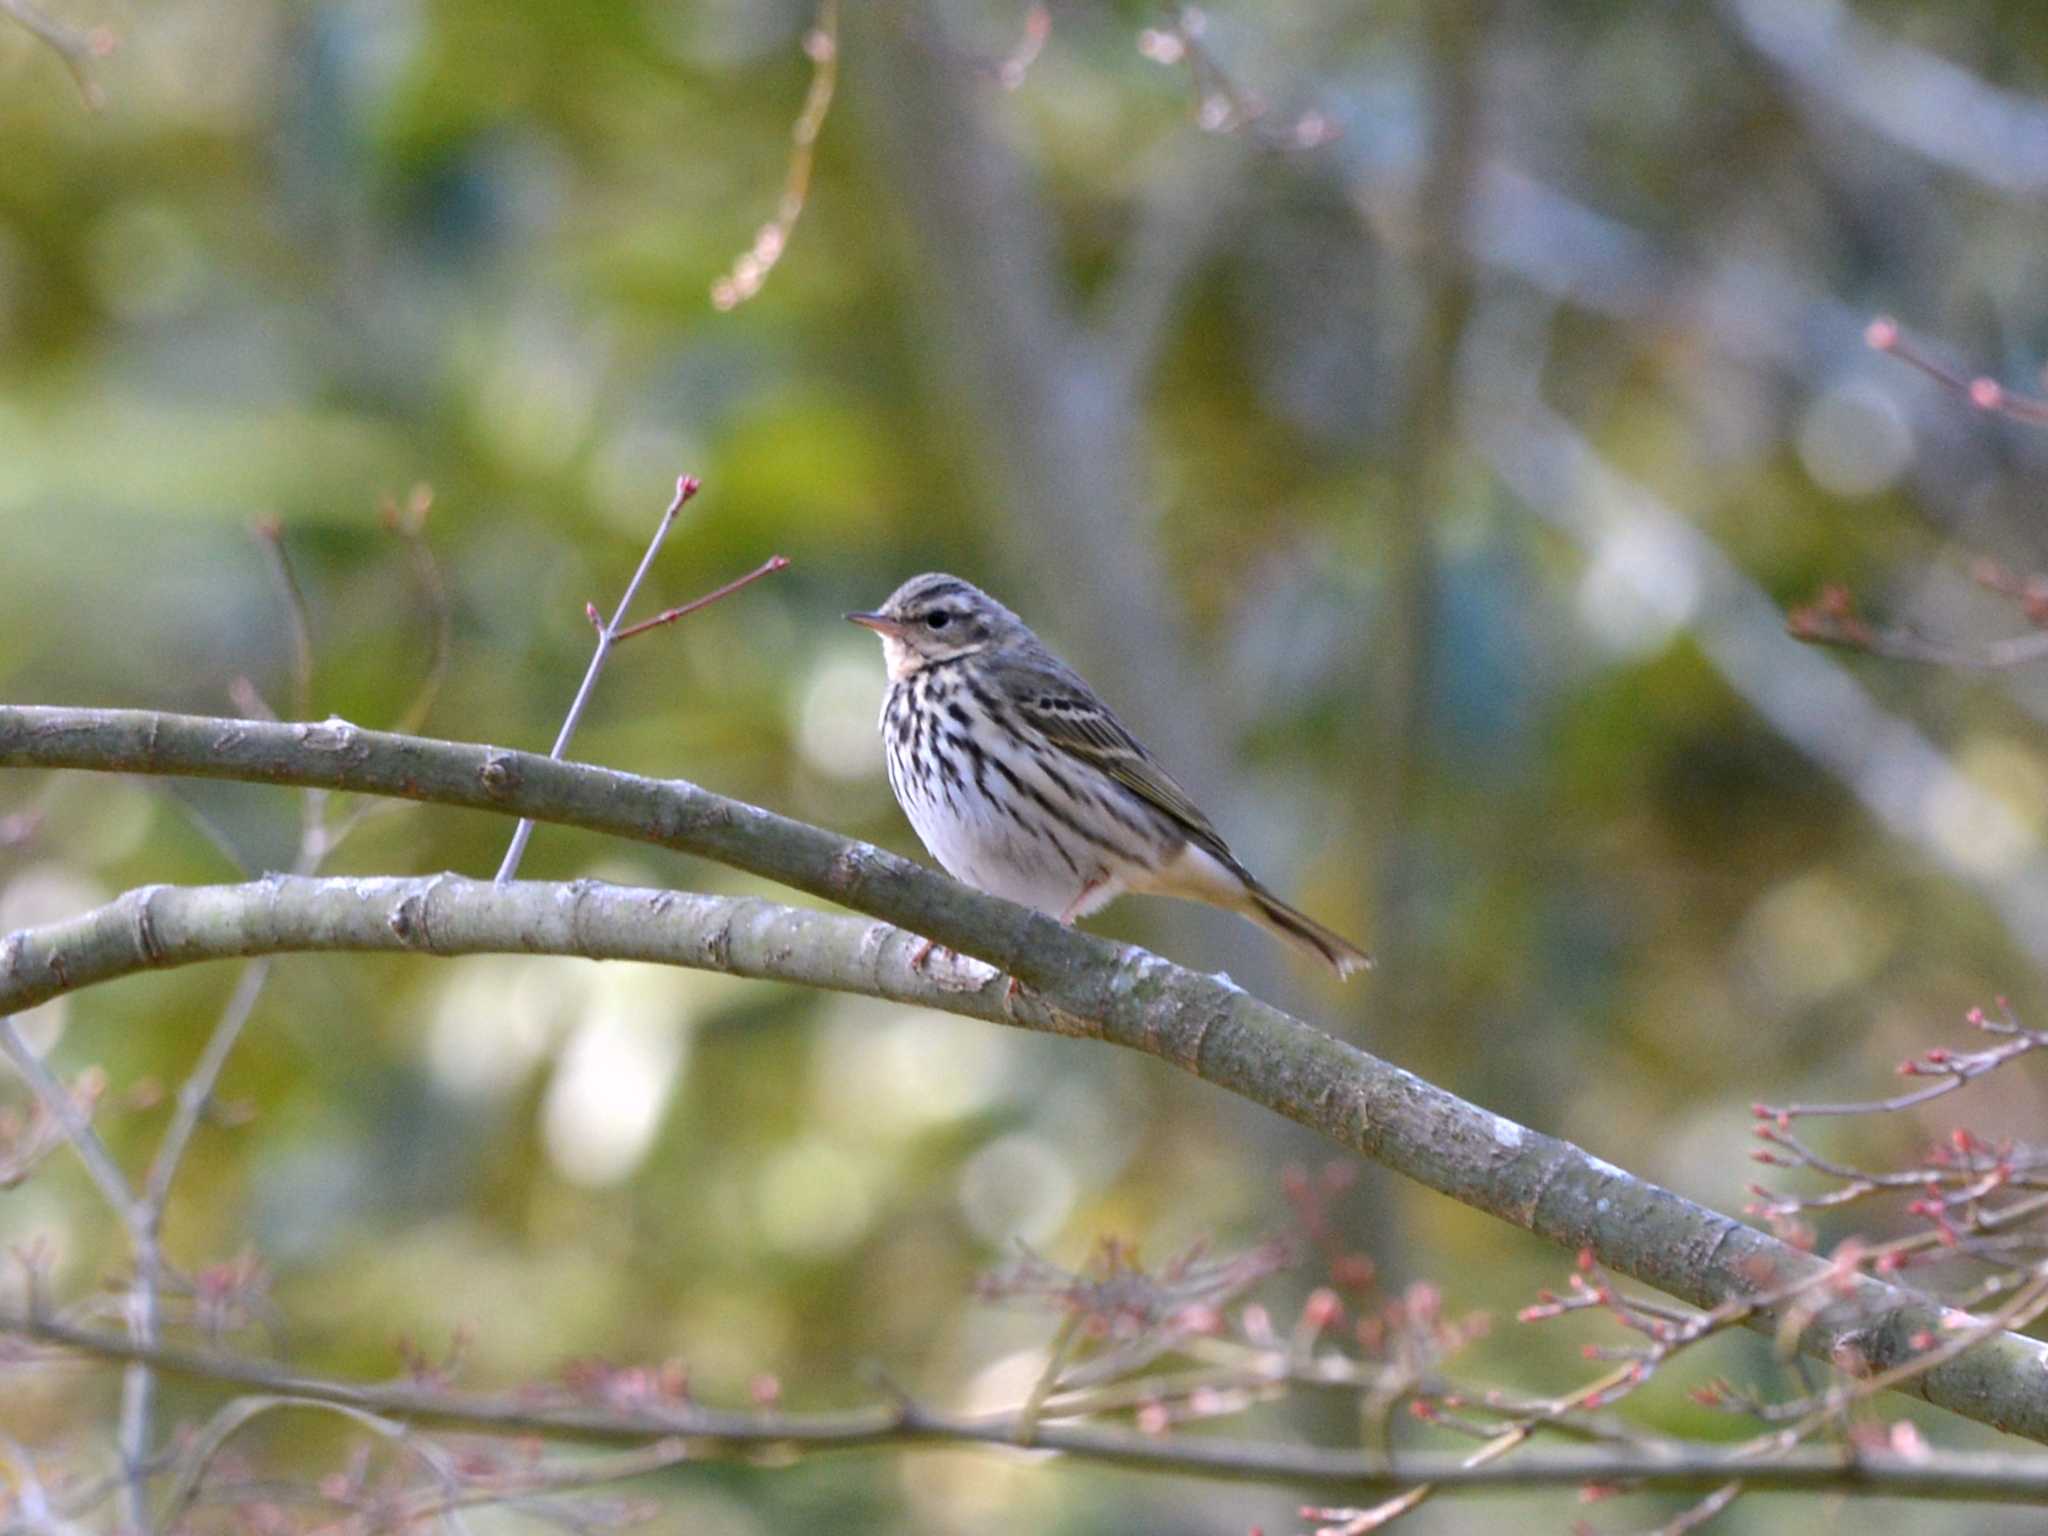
(1304, 932)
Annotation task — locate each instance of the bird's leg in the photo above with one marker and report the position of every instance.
(1081, 900)
(1066, 921)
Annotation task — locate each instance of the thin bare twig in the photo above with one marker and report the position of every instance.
(269, 535)
(145, 1319)
(714, 1433)
(1064, 1341)
(686, 487)
(473, 1478)
(1833, 620)
(1950, 1069)
(32, 1504)
(1222, 105)
(1909, 645)
(146, 1214)
(1016, 64)
(767, 567)
(1975, 1198)
(1982, 391)
(1707, 1508)
(317, 839)
(234, 1416)
(59, 1102)
(195, 1094)
(409, 523)
(751, 269)
(78, 47)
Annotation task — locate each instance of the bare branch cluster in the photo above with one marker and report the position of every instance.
(1136, 1353)
(1220, 103)
(1833, 619)
(1119, 1323)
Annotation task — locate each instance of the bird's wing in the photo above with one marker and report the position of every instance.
(1055, 701)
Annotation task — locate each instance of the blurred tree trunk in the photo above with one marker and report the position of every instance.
(1402, 712)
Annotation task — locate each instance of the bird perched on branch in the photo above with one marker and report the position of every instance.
(1020, 781)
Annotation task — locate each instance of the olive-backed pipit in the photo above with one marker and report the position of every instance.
(1023, 784)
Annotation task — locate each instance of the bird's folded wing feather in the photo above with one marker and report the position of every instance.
(1076, 722)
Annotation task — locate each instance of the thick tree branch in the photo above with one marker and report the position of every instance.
(160, 926)
(712, 1434)
(1084, 985)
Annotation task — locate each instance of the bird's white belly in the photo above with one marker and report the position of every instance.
(977, 842)
(993, 816)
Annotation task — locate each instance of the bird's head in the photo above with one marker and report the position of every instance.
(935, 618)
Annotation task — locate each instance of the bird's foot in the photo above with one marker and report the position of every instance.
(1015, 990)
(947, 969)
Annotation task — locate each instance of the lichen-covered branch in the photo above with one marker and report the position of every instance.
(1083, 986)
(159, 926)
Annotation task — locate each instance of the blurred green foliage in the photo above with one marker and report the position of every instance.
(310, 255)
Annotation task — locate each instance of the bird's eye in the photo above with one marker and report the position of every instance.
(938, 620)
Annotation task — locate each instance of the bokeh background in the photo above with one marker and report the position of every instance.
(1424, 468)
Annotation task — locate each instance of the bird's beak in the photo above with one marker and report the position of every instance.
(880, 623)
